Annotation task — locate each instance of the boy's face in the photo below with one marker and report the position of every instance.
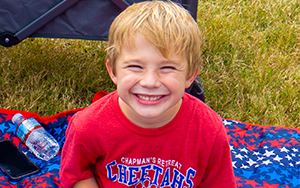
(150, 86)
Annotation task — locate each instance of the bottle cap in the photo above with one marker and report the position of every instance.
(17, 118)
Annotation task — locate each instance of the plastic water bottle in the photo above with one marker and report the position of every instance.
(38, 140)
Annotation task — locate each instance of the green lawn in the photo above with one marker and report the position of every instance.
(251, 67)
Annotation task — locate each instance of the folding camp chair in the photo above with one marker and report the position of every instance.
(71, 19)
(74, 19)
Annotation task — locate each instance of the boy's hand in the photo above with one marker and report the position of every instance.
(89, 183)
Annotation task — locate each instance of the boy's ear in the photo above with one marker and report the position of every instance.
(189, 81)
(111, 72)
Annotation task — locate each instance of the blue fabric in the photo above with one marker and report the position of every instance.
(262, 156)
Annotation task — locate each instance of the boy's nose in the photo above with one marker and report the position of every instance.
(150, 79)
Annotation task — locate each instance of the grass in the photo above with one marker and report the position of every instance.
(250, 72)
(48, 76)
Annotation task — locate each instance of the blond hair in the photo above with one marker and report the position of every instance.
(166, 25)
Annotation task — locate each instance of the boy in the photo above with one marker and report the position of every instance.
(149, 133)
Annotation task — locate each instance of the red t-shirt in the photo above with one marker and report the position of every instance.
(190, 151)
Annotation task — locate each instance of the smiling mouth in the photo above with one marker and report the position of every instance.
(149, 98)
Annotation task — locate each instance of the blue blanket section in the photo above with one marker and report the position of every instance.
(264, 156)
(261, 156)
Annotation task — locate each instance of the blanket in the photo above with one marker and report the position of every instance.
(262, 156)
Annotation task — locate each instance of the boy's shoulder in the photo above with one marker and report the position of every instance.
(197, 104)
(99, 106)
(200, 111)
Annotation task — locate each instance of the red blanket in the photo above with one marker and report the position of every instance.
(262, 156)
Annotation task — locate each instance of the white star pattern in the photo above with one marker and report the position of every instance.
(284, 150)
(233, 164)
(239, 156)
(244, 150)
(266, 155)
(260, 158)
(225, 122)
(267, 162)
(251, 162)
(295, 150)
(244, 166)
(256, 153)
(277, 158)
(269, 153)
(288, 157)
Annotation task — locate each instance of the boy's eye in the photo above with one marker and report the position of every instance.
(134, 66)
(168, 68)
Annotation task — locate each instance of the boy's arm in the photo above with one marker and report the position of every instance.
(219, 172)
(76, 158)
(89, 183)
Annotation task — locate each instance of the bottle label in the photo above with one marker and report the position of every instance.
(26, 127)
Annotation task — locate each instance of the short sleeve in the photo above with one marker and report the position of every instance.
(219, 171)
(77, 159)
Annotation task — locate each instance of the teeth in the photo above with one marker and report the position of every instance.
(147, 98)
